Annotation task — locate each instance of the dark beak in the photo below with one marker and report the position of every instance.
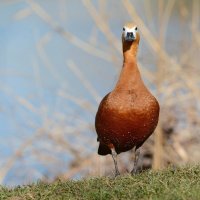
(129, 36)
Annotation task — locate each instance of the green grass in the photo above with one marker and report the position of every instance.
(181, 183)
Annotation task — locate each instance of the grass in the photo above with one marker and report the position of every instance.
(180, 183)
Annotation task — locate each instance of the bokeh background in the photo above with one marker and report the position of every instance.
(59, 58)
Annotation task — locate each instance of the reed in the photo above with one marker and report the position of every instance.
(69, 131)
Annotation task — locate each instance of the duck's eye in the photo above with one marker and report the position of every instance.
(136, 28)
(123, 29)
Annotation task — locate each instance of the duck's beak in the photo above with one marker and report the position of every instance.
(129, 36)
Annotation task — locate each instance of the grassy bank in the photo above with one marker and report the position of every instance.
(183, 183)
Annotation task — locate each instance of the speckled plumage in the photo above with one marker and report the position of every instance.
(128, 115)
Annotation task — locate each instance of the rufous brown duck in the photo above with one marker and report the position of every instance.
(129, 114)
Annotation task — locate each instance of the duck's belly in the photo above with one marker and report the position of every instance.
(128, 129)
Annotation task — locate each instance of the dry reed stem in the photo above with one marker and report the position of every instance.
(104, 28)
(113, 41)
(18, 153)
(40, 46)
(84, 80)
(157, 48)
(24, 13)
(79, 102)
(158, 149)
(83, 164)
(39, 11)
(170, 71)
(159, 138)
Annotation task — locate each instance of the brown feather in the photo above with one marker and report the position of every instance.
(128, 115)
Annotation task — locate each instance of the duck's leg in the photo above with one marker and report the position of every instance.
(137, 155)
(114, 156)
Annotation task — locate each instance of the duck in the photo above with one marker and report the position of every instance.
(129, 114)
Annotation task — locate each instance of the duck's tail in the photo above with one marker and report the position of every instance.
(103, 149)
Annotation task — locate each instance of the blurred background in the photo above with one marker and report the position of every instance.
(59, 58)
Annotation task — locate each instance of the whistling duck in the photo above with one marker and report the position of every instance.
(129, 114)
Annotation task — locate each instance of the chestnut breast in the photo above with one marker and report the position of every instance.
(126, 118)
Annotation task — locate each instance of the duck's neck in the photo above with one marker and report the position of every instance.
(130, 75)
(130, 52)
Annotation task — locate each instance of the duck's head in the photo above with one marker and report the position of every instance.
(130, 38)
(130, 33)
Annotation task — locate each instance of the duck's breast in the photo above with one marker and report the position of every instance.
(126, 120)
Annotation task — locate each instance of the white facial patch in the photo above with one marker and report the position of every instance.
(130, 32)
